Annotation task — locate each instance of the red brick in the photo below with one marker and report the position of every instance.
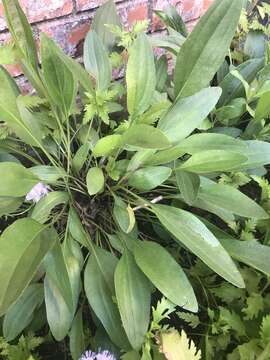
(132, 11)
(83, 5)
(39, 10)
(69, 33)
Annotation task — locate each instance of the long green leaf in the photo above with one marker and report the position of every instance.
(190, 231)
(213, 160)
(43, 208)
(188, 185)
(59, 79)
(18, 180)
(99, 288)
(232, 200)
(251, 252)
(187, 114)
(232, 87)
(133, 293)
(150, 177)
(164, 272)
(21, 313)
(23, 246)
(96, 61)
(104, 16)
(204, 50)
(60, 307)
(145, 137)
(140, 76)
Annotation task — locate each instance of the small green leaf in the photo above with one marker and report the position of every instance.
(149, 178)
(146, 137)
(95, 180)
(164, 272)
(188, 184)
(124, 215)
(133, 293)
(262, 109)
(141, 80)
(48, 174)
(81, 157)
(213, 160)
(42, 210)
(107, 145)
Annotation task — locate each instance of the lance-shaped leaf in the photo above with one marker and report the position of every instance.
(59, 302)
(232, 200)
(164, 272)
(192, 233)
(104, 16)
(58, 77)
(23, 246)
(21, 313)
(197, 62)
(187, 114)
(17, 181)
(133, 293)
(213, 160)
(140, 76)
(96, 61)
(99, 288)
(21, 31)
(149, 178)
(188, 184)
(145, 137)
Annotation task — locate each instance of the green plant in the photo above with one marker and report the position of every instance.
(109, 179)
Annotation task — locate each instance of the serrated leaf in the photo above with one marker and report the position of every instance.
(175, 346)
(255, 305)
(191, 319)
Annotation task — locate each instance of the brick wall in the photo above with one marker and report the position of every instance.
(68, 21)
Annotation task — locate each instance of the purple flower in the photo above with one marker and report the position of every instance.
(37, 192)
(105, 355)
(89, 355)
(101, 355)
